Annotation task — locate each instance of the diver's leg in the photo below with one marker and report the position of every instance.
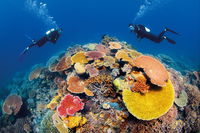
(168, 39)
(162, 33)
(172, 31)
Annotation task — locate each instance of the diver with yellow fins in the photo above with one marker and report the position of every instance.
(144, 32)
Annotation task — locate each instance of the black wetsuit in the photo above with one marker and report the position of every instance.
(52, 37)
(141, 33)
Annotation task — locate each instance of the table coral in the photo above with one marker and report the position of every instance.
(64, 63)
(94, 55)
(153, 68)
(115, 45)
(79, 68)
(75, 85)
(150, 105)
(70, 105)
(79, 58)
(102, 48)
(109, 61)
(182, 99)
(12, 104)
(91, 70)
(35, 73)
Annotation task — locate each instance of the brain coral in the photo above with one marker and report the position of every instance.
(150, 105)
(12, 104)
(153, 68)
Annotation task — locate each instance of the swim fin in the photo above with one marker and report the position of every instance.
(171, 31)
(170, 40)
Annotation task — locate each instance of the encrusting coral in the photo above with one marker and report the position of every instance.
(150, 105)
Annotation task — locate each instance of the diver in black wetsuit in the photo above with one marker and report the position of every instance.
(143, 32)
(51, 36)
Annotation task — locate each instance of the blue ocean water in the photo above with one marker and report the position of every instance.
(86, 21)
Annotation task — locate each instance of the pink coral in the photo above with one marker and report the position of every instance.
(70, 105)
(102, 48)
(94, 55)
(12, 104)
(91, 70)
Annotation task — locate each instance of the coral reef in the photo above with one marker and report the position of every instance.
(103, 87)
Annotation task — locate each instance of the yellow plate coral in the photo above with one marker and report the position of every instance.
(150, 105)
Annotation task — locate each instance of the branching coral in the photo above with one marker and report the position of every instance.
(150, 105)
(12, 104)
(79, 58)
(140, 85)
(46, 125)
(153, 68)
(70, 105)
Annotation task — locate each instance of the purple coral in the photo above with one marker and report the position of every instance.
(94, 55)
(91, 70)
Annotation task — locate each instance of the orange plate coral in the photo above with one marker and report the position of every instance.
(75, 85)
(153, 68)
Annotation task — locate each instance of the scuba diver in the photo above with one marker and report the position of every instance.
(51, 35)
(143, 32)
